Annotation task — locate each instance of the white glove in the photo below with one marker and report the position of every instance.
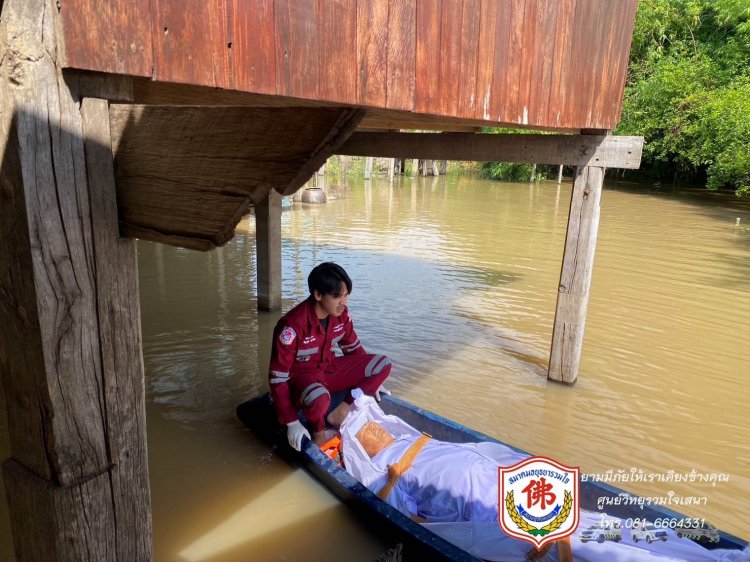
(382, 389)
(295, 431)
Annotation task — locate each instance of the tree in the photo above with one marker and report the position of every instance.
(688, 90)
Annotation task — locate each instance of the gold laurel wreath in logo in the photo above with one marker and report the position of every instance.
(553, 525)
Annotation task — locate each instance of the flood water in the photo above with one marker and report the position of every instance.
(456, 280)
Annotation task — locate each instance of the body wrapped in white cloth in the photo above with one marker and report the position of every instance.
(446, 482)
(454, 487)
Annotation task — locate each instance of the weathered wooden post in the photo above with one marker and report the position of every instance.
(575, 278)
(559, 174)
(391, 168)
(70, 349)
(533, 173)
(268, 250)
(368, 167)
(415, 167)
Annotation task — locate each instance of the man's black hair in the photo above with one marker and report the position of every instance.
(326, 278)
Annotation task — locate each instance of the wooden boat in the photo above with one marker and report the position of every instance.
(418, 541)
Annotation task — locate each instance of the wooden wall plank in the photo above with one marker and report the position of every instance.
(297, 48)
(531, 42)
(600, 64)
(609, 114)
(338, 41)
(588, 54)
(487, 40)
(427, 80)
(561, 58)
(501, 79)
(112, 36)
(447, 63)
(541, 75)
(252, 37)
(569, 71)
(402, 54)
(190, 42)
(539, 63)
(468, 64)
(372, 52)
(509, 108)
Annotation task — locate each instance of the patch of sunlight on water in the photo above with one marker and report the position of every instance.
(290, 501)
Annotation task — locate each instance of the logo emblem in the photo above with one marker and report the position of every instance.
(538, 500)
(287, 336)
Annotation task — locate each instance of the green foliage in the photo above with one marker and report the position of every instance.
(511, 172)
(688, 89)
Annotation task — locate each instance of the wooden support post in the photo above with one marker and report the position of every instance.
(435, 170)
(533, 173)
(415, 167)
(559, 174)
(368, 167)
(70, 346)
(443, 167)
(268, 250)
(575, 278)
(391, 168)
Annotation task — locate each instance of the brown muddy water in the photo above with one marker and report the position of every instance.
(455, 278)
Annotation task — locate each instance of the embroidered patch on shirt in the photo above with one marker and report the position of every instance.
(287, 336)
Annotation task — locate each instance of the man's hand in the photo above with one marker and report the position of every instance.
(382, 389)
(295, 431)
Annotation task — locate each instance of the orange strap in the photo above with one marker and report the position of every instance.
(404, 463)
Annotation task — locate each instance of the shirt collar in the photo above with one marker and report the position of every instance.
(312, 317)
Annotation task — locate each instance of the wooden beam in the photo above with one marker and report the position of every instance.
(341, 130)
(186, 175)
(268, 250)
(575, 277)
(119, 329)
(573, 150)
(149, 92)
(77, 482)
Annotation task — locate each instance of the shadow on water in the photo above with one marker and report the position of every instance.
(724, 244)
(720, 205)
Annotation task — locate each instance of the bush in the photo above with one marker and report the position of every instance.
(512, 172)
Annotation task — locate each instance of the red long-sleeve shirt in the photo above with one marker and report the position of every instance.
(301, 345)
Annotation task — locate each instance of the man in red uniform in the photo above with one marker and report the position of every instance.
(304, 369)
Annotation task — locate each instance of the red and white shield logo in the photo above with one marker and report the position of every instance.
(538, 500)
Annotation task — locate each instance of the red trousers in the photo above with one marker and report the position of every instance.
(311, 391)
